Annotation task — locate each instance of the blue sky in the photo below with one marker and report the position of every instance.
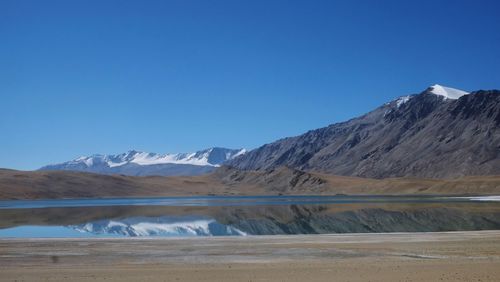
(84, 77)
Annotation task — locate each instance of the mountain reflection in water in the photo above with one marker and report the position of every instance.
(212, 220)
(159, 226)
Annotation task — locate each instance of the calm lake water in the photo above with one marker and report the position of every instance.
(240, 216)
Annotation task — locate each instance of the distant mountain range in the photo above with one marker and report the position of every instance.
(137, 163)
(441, 132)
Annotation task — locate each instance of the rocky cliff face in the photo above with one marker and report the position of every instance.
(439, 133)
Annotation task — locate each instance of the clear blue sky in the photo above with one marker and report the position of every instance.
(84, 77)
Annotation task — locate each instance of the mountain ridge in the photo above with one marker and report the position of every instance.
(138, 163)
(419, 135)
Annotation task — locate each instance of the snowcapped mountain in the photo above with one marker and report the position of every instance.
(143, 163)
(436, 89)
(441, 132)
(208, 157)
(159, 226)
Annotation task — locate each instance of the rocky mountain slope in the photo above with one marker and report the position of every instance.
(439, 133)
(141, 163)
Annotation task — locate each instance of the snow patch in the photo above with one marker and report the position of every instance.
(401, 100)
(447, 92)
(87, 161)
(241, 152)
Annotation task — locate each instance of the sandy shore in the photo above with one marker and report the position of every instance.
(450, 256)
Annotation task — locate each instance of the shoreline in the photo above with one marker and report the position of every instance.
(334, 237)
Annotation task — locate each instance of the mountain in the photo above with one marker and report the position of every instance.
(137, 163)
(441, 132)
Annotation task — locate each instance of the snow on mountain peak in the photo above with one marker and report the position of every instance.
(210, 157)
(447, 92)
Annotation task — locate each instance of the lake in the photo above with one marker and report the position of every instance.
(245, 215)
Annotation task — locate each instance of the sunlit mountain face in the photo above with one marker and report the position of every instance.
(441, 132)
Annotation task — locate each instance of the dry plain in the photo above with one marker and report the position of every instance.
(439, 256)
